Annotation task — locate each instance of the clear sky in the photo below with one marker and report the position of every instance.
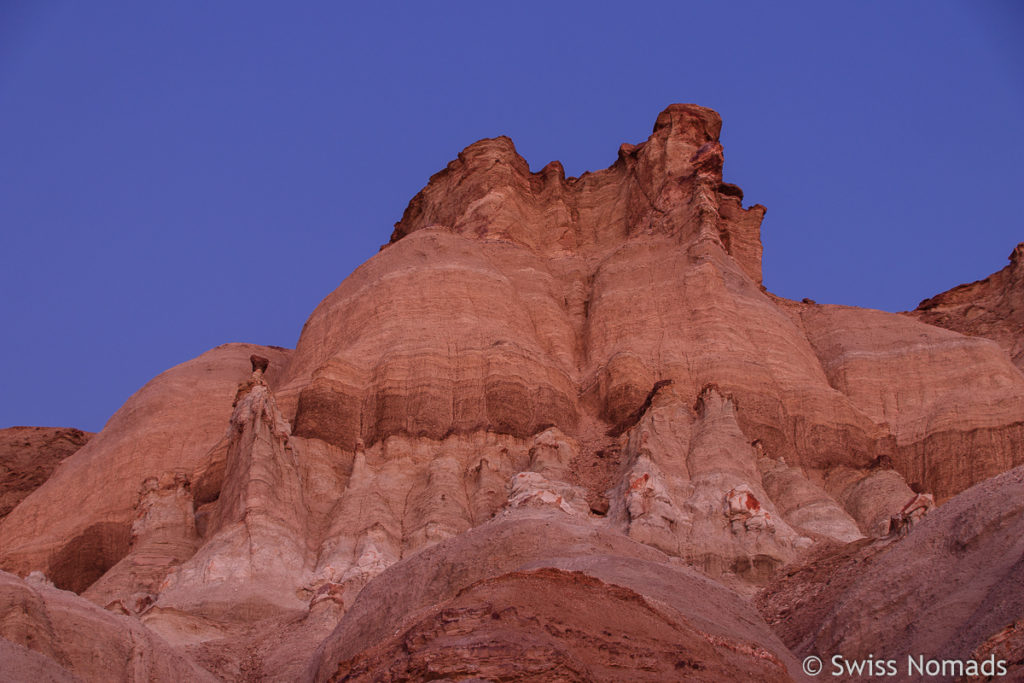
(178, 175)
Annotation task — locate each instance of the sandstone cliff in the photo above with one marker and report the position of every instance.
(556, 429)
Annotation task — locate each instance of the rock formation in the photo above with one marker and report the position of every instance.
(952, 588)
(50, 634)
(28, 456)
(528, 597)
(992, 308)
(556, 429)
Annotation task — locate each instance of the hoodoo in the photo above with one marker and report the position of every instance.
(557, 429)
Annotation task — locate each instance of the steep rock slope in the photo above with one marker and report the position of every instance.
(993, 308)
(29, 455)
(953, 588)
(50, 634)
(950, 404)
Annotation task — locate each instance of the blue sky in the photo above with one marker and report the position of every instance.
(174, 176)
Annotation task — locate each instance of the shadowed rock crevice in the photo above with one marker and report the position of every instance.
(88, 556)
(633, 418)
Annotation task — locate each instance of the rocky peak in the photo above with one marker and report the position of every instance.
(669, 184)
(691, 123)
(1017, 255)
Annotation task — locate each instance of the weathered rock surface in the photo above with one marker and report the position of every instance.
(1007, 646)
(547, 402)
(545, 596)
(950, 405)
(79, 523)
(50, 634)
(256, 540)
(952, 588)
(992, 308)
(29, 455)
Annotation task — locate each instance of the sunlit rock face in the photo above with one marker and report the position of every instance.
(575, 390)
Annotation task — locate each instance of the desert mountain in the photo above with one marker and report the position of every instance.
(556, 429)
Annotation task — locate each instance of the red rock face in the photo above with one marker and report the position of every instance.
(493, 603)
(548, 625)
(28, 456)
(992, 308)
(80, 525)
(49, 634)
(546, 401)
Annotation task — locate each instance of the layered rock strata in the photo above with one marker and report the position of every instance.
(953, 589)
(529, 596)
(575, 390)
(991, 308)
(47, 634)
(79, 524)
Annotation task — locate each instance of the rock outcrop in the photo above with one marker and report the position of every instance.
(79, 523)
(29, 455)
(556, 429)
(543, 596)
(991, 308)
(952, 589)
(50, 634)
(255, 542)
